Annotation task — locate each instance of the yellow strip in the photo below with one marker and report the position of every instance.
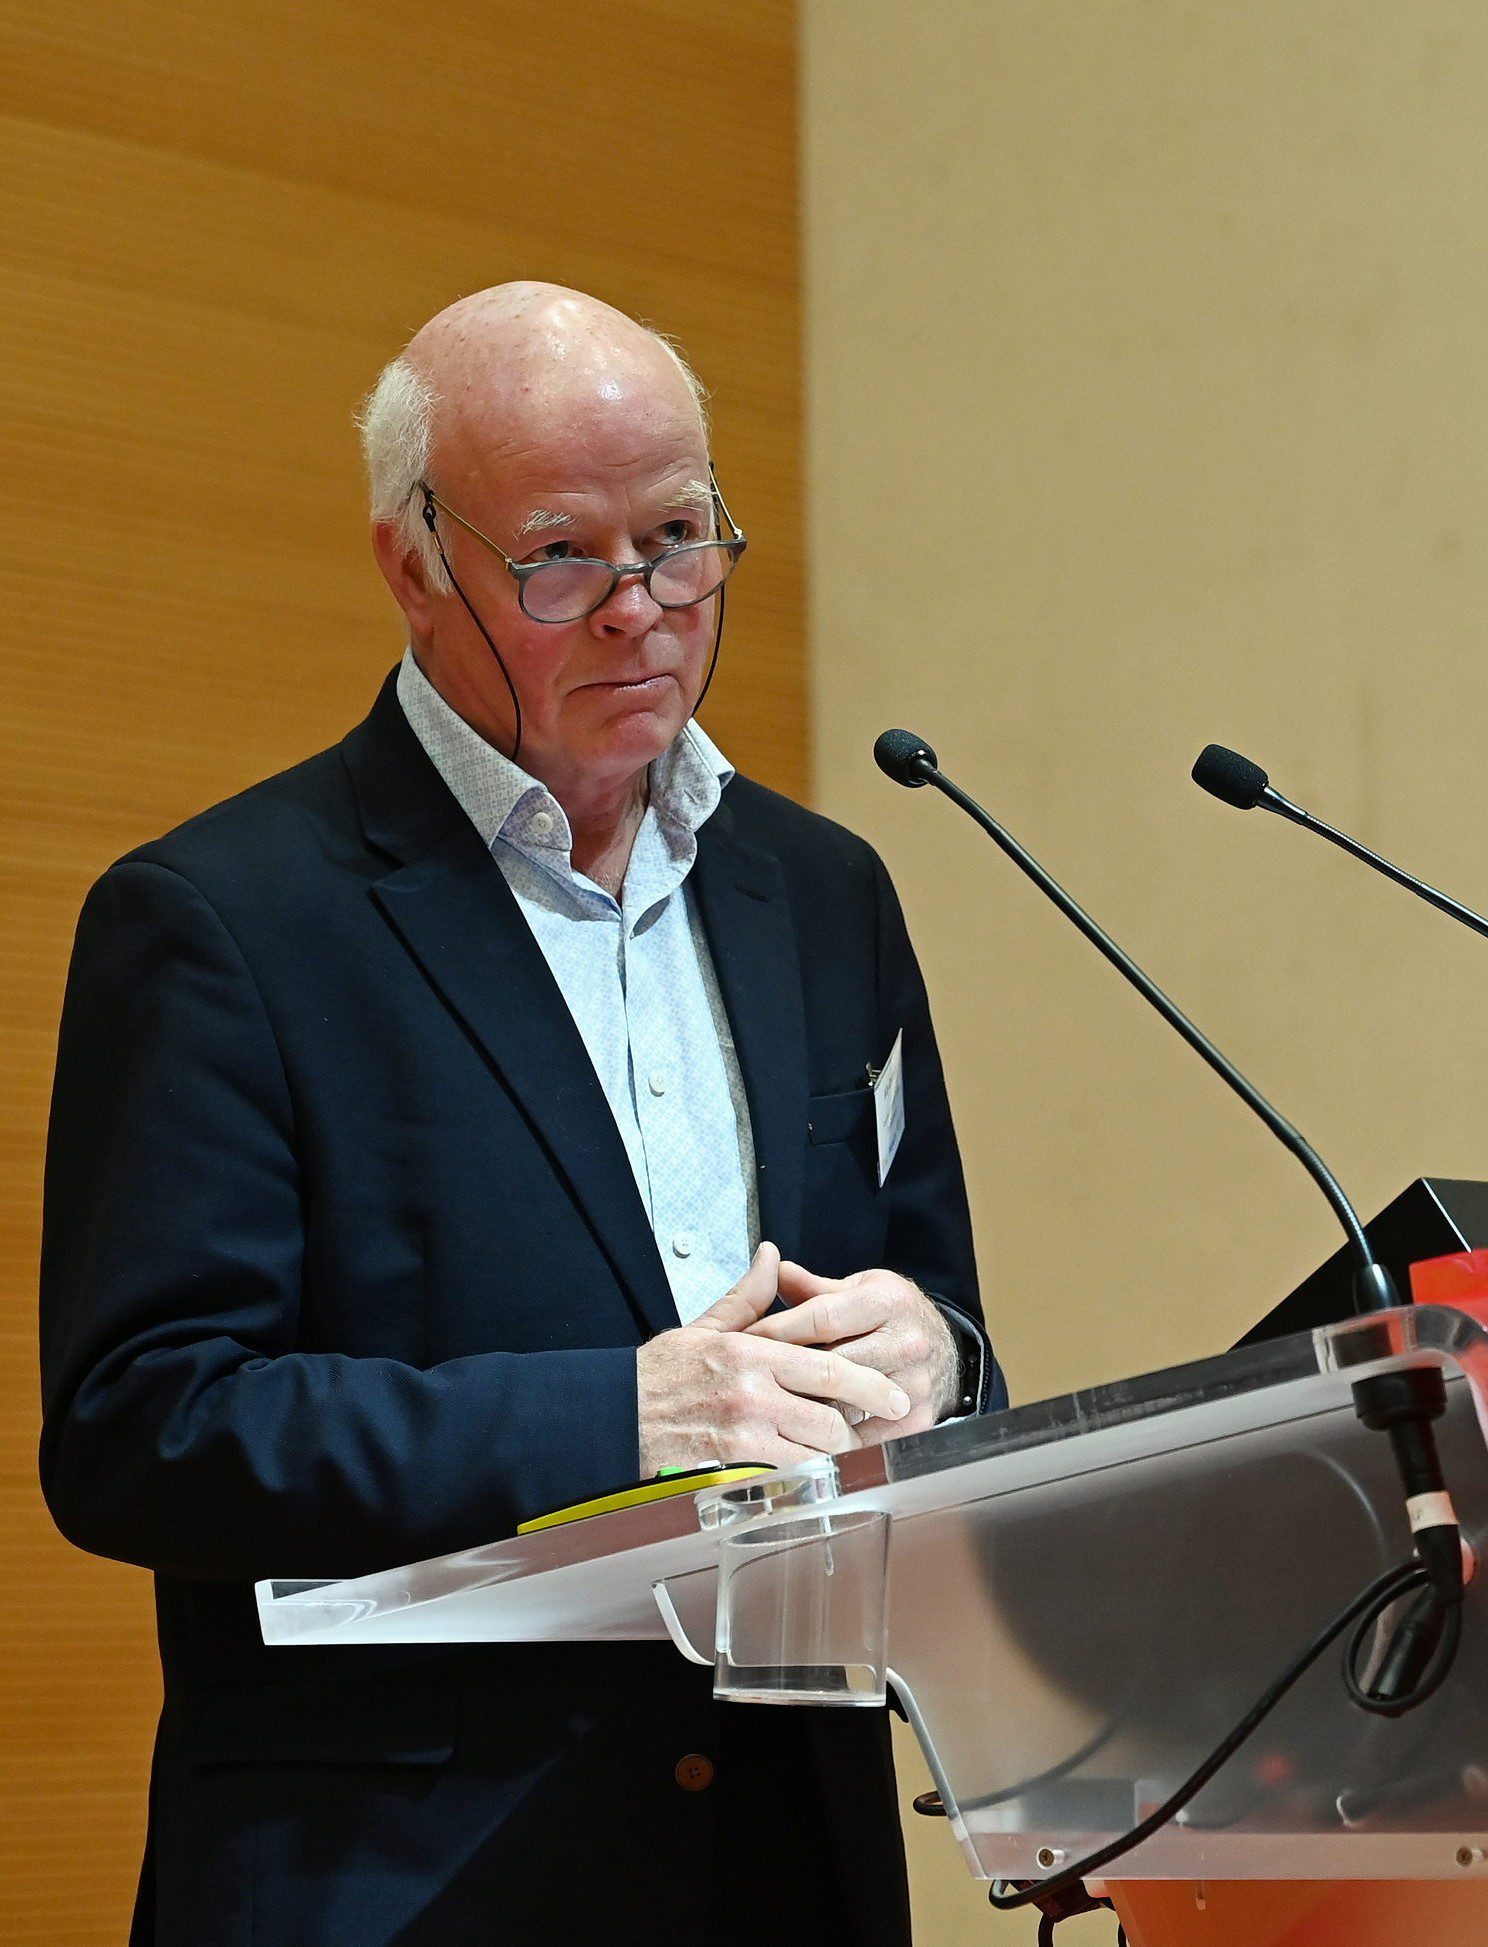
(636, 1497)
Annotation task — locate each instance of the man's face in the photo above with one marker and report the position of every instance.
(610, 467)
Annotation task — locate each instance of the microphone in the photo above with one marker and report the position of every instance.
(1235, 780)
(905, 758)
(1420, 1651)
(1402, 1404)
(910, 761)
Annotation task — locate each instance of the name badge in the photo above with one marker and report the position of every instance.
(888, 1107)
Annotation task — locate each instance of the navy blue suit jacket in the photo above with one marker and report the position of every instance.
(345, 1266)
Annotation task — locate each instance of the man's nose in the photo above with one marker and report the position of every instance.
(630, 610)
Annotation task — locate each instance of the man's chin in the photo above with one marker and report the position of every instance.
(636, 714)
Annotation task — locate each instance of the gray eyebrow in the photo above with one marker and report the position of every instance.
(696, 493)
(541, 518)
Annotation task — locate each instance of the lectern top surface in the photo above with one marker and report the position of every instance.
(615, 1555)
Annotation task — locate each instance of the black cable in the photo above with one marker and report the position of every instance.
(717, 643)
(1061, 1769)
(516, 700)
(1416, 1661)
(1369, 1605)
(929, 1805)
(1404, 1404)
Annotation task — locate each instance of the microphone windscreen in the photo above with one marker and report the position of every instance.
(1228, 776)
(900, 754)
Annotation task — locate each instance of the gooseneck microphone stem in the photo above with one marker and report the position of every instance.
(1373, 1287)
(1283, 807)
(1239, 781)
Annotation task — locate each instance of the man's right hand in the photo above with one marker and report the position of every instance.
(708, 1392)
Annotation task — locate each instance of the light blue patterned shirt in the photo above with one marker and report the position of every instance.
(638, 979)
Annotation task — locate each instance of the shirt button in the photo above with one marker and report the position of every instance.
(658, 1081)
(542, 823)
(694, 1773)
(682, 1243)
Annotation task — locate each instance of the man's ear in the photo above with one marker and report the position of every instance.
(405, 573)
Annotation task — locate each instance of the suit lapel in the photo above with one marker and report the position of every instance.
(747, 917)
(456, 915)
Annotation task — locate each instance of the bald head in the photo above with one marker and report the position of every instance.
(527, 362)
(512, 341)
(499, 371)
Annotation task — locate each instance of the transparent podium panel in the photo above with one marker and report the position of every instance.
(1094, 1637)
(1081, 1597)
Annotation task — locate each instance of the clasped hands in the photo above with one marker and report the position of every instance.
(853, 1362)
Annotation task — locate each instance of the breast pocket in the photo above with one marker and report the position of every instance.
(843, 1217)
(844, 1117)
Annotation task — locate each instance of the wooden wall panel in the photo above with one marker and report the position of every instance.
(215, 225)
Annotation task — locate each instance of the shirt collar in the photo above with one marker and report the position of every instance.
(503, 801)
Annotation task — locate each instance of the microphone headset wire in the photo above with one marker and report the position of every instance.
(431, 524)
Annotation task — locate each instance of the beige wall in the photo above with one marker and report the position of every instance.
(1148, 388)
(218, 221)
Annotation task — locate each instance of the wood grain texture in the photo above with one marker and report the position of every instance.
(215, 226)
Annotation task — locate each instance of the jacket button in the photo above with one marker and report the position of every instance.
(694, 1773)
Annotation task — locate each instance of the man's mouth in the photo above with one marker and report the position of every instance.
(639, 687)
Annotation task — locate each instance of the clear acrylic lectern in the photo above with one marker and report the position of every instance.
(1081, 1598)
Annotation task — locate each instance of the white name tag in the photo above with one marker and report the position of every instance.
(888, 1107)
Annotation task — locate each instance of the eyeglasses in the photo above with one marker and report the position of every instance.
(567, 590)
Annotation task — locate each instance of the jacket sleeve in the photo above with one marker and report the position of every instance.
(929, 1225)
(183, 1428)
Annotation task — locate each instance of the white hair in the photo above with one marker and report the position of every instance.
(694, 384)
(396, 422)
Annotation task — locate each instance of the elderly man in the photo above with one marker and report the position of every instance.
(430, 1122)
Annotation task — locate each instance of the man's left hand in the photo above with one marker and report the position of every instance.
(878, 1319)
